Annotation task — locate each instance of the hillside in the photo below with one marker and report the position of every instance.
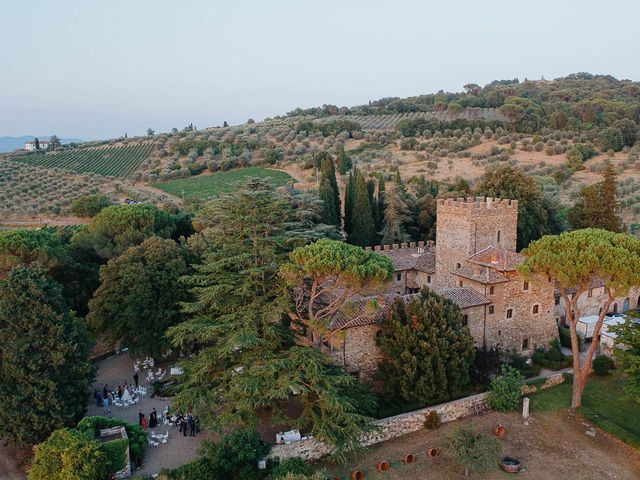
(536, 125)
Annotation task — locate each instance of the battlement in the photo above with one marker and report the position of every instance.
(477, 203)
(415, 247)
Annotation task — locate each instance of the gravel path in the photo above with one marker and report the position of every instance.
(179, 450)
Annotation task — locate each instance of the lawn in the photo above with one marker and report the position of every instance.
(206, 186)
(603, 403)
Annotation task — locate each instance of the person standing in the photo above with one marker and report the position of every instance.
(135, 378)
(105, 405)
(105, 390)
(140, 418)
(183, 426)
(192, 427)
(143, 422)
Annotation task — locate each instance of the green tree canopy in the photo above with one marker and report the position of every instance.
(427, 352)
(324, 276)
(116, 228)
(89, 205)
(512, 182)
(22, 246)
(69, 454)
(571, 262)
(396, 214)
(627, 353)
(139, 296)
(362, 221)
(238, 322)
(45, 370)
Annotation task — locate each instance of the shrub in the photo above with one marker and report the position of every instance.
(89, 205)
(137, 436)
(554, 355)
(236, 456)
(290, 466)
(504, 390)
(432, 420)
(565, 338)
(473, 451)
(602, 365)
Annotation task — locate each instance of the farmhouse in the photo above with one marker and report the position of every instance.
(31, 145)
(473, 263)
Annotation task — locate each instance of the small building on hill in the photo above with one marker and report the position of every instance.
(30, 146)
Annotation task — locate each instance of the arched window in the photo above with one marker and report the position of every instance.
(498, 236)
(525, 285)
(460, 283)
(458, 266)
(509, 313)
(615, 308)
(465, 320)
(536, 309)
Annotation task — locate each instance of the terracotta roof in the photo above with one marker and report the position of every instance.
(402, 259)
(426, 262)
(487, 275)
(498, 258)
(465, 297)
(371, 310)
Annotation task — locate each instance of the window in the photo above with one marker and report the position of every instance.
(615, 308)
(460, 283)
(536, 309)
(590, 294)
(510, 313)
(499, 332)
(525, 286)
(465, 320)
(428, 278)
(398, 276)
(492, 290)
(491, 309)
(498, 236)
(557, 299)
(458, 266)
(525, 343)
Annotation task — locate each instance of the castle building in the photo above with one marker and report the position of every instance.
(473, 263)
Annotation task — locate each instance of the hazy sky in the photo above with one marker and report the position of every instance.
(97, 69)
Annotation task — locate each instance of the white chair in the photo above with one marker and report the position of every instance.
(153, 443)
(164, 438)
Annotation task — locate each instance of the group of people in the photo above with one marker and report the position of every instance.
(106, 397)
(153, 419)
(188, 422)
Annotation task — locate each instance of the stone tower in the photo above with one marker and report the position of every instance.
(466, 226)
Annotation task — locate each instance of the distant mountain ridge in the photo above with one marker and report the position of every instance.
(9, 144)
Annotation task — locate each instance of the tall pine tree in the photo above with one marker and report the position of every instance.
(427, 352)
(363, 228)
(344, 162)
(45, 372)
(608, 191)
(349, 198)
(381, 204)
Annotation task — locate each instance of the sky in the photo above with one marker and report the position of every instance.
(97, 69)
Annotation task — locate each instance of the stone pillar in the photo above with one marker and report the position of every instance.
(525, 408)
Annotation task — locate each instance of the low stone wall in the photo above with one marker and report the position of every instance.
(388, 428)
(551, 381)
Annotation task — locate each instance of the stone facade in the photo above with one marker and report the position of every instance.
(357, 351)
(388, 428)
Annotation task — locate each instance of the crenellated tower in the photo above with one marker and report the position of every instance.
(465, 226)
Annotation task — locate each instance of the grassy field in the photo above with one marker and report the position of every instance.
(603, 404)
(206, 186)
(114, 161)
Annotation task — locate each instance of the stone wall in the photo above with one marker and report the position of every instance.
(388, 428)
(551, 381)
(358, 351)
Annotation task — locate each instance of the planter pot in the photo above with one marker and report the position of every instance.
(510, 465)
(408, 458)
(432, 452)
(357, 475)
(499, 431)
(383, 466)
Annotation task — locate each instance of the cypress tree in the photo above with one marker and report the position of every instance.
(331, 196)
(427, 352)
(349, 197)
(381, 203)
(363, 229)
(396, 215)
(344, 162)
(608, 190)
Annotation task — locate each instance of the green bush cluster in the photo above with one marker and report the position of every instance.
(504, 390)
(432, 420)
(565, 338)
(551, 359)
(602, 365)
